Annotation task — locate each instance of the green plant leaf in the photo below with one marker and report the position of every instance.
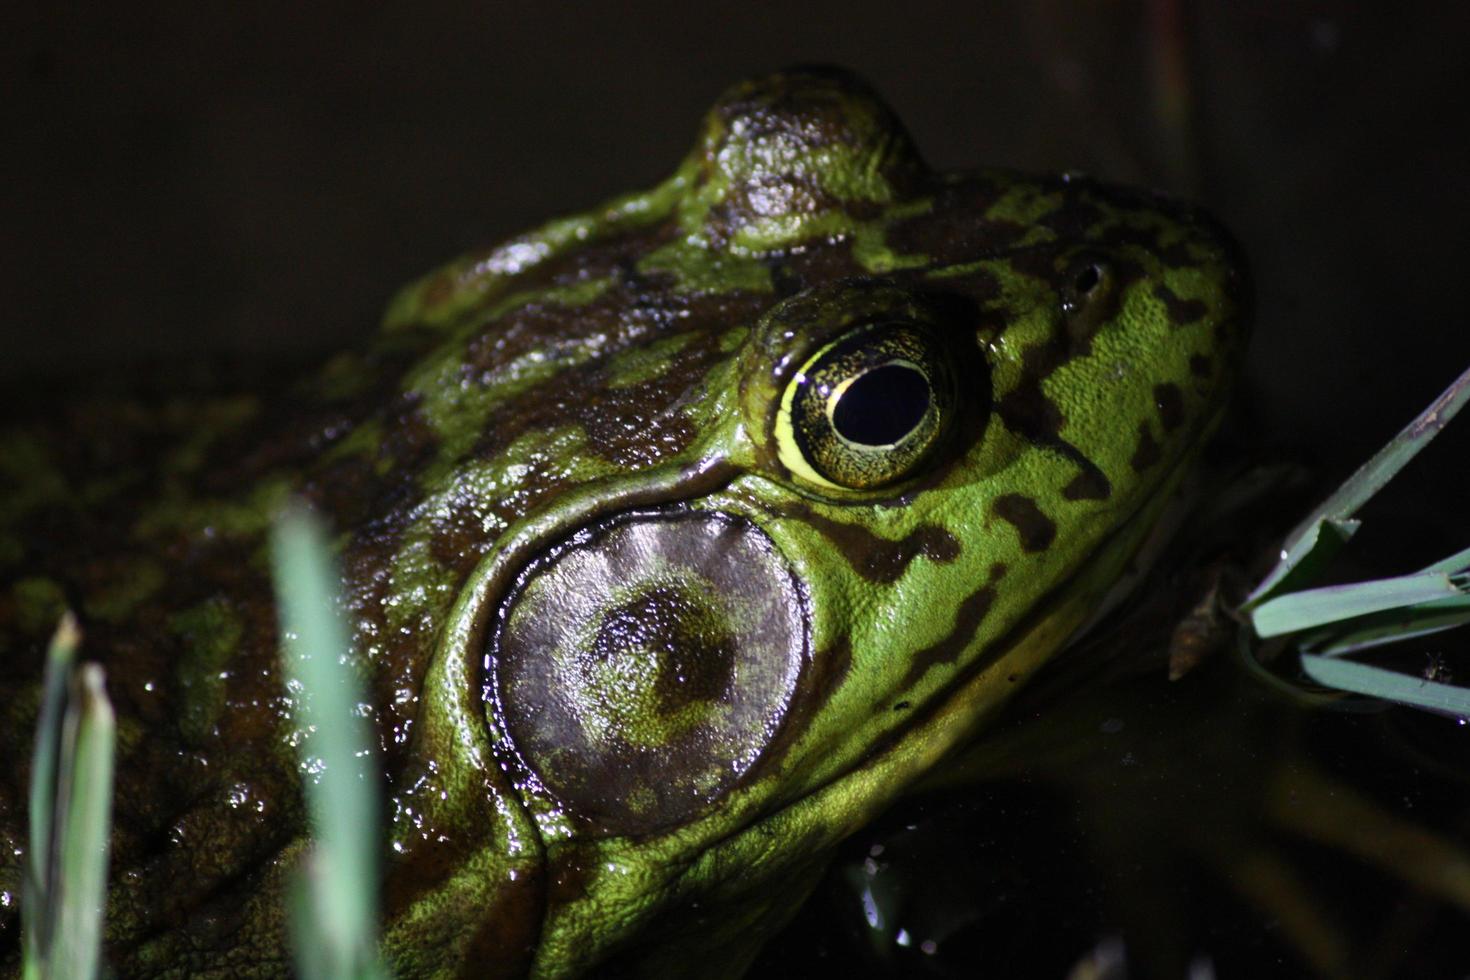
(1387, 685)
(1389, 626)
(70, 809)
(334, 921)
(36, 900)
(1297, 611)
(84, 805)
(1331, 519)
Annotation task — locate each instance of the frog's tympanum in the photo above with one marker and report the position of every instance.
(677, 539)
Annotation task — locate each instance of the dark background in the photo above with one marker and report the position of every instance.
(182, 179)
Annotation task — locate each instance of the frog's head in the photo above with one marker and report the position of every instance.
(774, 481)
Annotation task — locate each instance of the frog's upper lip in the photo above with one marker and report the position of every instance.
(1198, 223)
(1238, 286)
(1206, 227)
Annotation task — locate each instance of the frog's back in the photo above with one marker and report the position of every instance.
(94, 519)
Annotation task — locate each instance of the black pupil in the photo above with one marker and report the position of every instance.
(882, 406)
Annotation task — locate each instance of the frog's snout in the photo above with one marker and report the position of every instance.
(643, 665)
(1208, 245)
(1237, 290)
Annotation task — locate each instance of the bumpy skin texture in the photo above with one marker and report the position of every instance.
(624, 368)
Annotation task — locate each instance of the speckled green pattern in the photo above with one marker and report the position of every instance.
(632, 367)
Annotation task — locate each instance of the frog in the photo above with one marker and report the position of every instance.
(677, 539)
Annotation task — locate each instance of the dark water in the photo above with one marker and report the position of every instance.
(1116, 823)
(1206, 827)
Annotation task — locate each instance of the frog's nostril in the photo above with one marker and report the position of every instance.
(644, 665)
(1087, 279)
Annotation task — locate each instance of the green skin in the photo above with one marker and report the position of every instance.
(639, 357)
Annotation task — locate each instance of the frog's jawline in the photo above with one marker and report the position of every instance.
(946, 699)
(691, 485)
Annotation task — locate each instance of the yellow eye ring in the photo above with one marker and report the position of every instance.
(868, 409)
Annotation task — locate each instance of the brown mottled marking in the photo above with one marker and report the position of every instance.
(1201, 365)
(616, 257)
(1027, 411)
(569, 873)
(1072, 220)
(698, 653)
(950, 227)
(823, 675)
(829, 667)
(505, 943)
(876, 558)
(967, 620)
(632, 426)
(793, 115)
(431, 863)
(615, 436)
(791, 272)
(1037, 531)
(1182, 312)
(1147, 452)
(1170, 402)
(1089, 484)
(1177, 255)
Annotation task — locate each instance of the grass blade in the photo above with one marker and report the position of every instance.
(1387, 685)
(1304, 557)
(1334, 621)
(1390, 626)
(36, 900)
(335, 926)
(1458, 562)
(85, 809)
(70, 810)
(1359, 488)
(1310, 608)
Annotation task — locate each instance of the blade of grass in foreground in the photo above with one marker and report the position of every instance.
(334, 913)
(36, 905)
(86, 784)
(70, 815)
(1390, 626)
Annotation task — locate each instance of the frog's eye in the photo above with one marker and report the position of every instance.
(867, 409)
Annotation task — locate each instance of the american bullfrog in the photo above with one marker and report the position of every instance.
(678, 537)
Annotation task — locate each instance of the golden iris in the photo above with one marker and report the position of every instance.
(867, 409)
